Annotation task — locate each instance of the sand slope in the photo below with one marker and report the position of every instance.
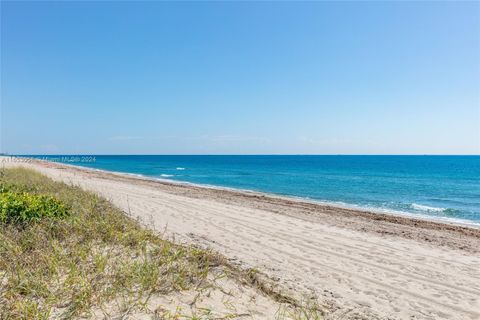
(356, 265)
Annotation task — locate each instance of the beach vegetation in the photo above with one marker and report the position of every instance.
(19, 207)
(68, 253)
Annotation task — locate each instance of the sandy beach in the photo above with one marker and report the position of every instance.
(360, 265)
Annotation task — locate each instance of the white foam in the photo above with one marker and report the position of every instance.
(421, 207)
(166, 175)
(180, 168)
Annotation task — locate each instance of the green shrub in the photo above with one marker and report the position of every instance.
(16, 207)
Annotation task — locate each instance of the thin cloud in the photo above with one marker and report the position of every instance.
(125, 138)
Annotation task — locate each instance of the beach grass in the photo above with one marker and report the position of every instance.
(76, 263)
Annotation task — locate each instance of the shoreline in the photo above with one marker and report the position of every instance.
(401, 219)
(326, 203)
(358, 264)
(418, 218)
(311, 207)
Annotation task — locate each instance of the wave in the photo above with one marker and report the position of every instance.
(166, 175)
(180, 168)
(421, 207)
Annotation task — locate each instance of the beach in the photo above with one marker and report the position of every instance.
(359, 264)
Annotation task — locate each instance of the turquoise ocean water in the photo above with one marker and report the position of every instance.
(442, 187)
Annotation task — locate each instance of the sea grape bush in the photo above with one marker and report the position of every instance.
(18, 207)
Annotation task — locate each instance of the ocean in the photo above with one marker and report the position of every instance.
(440, 187)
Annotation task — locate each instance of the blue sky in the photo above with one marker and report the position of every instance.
(240, 78)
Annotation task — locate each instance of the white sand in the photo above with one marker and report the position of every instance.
(352, 267)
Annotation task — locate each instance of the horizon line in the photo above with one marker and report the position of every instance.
(246, 154)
